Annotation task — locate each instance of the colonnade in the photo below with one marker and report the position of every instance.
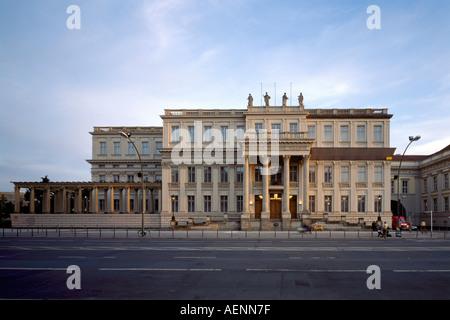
(90, 197)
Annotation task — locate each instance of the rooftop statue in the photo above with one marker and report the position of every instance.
(266, 99)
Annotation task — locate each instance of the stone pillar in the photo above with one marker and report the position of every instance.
(79, 200)
(305, 181)
(32, 209)
(128, 199)
(286, 213)
(111, 200)
(16, 199)
(265, 213)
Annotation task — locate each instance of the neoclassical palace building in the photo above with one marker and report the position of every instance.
(257, 168)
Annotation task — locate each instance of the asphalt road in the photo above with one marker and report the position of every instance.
(225, 269)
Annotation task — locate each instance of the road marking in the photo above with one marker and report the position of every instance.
(304, 270)
(156, 269)
(32, 268)
(71, 257)
(194, 257)
(411, 271)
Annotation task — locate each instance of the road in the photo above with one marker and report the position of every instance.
(224, 269)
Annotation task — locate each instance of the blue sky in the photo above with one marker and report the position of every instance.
(132, 59)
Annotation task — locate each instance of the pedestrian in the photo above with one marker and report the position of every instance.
(385, 229)
(423, 226)
(374, 226)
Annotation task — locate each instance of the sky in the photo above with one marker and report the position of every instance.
(130, 60)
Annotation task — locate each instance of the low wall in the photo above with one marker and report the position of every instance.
(84, 220)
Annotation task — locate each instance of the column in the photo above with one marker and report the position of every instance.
(265, 214)
(79, 200)
(305, 181)
(46, 201)
(111, 200)
(32, 200)
(286, 213)
(286, 186)
(16, 199)
(64, 200)
(128, 199)
(105, 200)
(120, 200)
(246, 186)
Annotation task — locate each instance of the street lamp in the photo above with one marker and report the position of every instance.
(128, 135)
(411, 140)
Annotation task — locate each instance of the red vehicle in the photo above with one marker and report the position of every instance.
(403, 223)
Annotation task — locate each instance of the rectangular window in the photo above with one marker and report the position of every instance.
(240, 130)
(377, 134)
(435, 183)
(361, 203)
(345, 174)
(207, 174)
(239, 203)
(191, 174)
(328, 174)
(362, 174)
(102, 147)
(446, 204)
(361, 133)
(293, 174)
(116, 178)
(174, 175)
(224, 133)
(207, 203)
(425, 185)
(239, 174)
(312, 203)
(258, 176)
(174, 203)
(311, 132)
(425, 205)
(344, 204)
(405, 186)
(378, 174)
(102, 178)
(130, 178)
(207, 136)
(158, 145)
(175, 134)
(312, 174)
(223, 174)
(293, 127)
(191, 131)
(223, 203)
(191, 203)
(328, 204)
(344, 134)
(435, 205)
(258, 127)
(445, 184)
(328, 133)
(131, 148)
(145, 149)
(276, 128)
(116, 147)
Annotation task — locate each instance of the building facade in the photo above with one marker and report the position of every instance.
(423, 188)
(276, 166)
(256, 168)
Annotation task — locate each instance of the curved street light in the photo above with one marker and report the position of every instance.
(128, 135)
(411, 140)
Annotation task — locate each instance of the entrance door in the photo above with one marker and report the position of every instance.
(258, 207)
(275, 206)
(293, 207)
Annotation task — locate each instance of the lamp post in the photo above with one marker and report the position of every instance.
(128, 135)
(411, 140)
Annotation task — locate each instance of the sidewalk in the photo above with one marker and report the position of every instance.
(109, 233)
